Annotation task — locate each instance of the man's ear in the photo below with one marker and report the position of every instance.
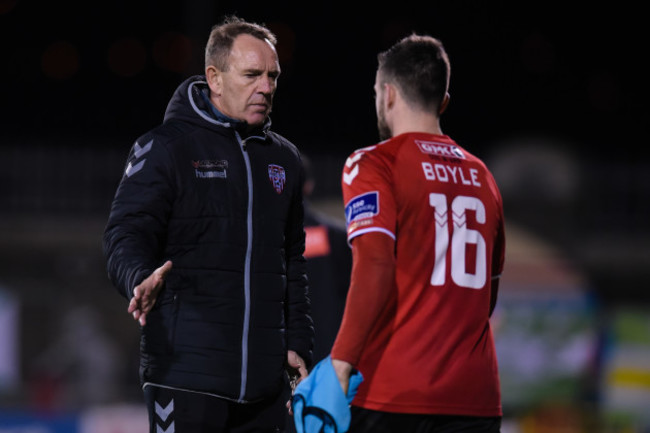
(390, 95)
(444, 103)
(214, 78)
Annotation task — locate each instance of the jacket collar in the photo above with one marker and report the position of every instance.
(240, 126)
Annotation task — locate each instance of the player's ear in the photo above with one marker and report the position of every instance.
(214, 78)
(390, 93)
(444, 103)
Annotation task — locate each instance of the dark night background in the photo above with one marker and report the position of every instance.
(552, 95)
(98, 74)
(107, 69)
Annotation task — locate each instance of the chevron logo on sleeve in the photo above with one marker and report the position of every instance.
(138, 151)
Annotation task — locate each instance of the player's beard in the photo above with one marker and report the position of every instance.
(382, 127)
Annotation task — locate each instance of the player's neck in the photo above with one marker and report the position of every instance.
(417, 123)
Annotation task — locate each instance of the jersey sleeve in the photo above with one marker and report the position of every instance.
(371, 284)
(367, 193)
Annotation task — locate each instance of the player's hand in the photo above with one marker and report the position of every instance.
(145, 294)
(343, 371)
(297, 372)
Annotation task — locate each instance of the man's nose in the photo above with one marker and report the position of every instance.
(267, 85)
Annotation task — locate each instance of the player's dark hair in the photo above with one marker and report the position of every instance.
(222, 36)
(419, 66)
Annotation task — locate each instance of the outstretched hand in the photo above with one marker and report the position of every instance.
(145, 293)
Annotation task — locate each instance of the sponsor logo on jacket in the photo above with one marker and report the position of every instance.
(210, 168)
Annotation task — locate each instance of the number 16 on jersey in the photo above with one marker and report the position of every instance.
(461, 237)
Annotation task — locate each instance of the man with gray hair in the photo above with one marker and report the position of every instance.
(205, 239)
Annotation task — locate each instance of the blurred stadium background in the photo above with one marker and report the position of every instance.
(554, 100)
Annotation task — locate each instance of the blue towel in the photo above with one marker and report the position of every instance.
(319, 404)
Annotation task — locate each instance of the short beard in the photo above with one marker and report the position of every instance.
(382, 127)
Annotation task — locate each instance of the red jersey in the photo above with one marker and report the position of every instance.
(431, 350)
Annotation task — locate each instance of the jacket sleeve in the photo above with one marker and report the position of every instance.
(135, 234)
(300, 328)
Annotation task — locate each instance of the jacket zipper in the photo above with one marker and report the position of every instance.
(247, 270)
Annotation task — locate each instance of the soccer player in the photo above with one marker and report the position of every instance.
(425, 222)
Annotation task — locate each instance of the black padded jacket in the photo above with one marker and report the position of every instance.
(226, 208)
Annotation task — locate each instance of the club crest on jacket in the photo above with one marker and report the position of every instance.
(277, 177)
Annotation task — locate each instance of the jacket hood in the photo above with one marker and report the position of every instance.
(191, 103)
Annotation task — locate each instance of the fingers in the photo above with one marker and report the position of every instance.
(139, 308)
(301, 368)
(289, 408)
(298, 365)
(139, 315)
(144, 294)
(162, 271)
(303, 372)
(135, 310)
(134, 303)
(294, 359)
